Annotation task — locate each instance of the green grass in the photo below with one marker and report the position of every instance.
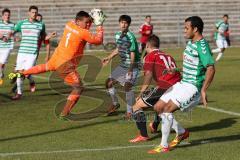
(30, 125)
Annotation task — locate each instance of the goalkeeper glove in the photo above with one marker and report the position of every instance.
(98, 16)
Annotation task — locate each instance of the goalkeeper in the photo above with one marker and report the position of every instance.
(67, 55)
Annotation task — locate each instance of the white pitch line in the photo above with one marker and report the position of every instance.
(92, 149)
(74, 150)
(220, 110)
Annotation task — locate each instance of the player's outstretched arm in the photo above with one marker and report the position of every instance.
(50, 36)
(94, 38)
(146, 82)
(208, 79)
(48, 54)
(107, 59)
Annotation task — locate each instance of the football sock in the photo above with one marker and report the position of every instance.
(217, 50)
(130, 99)
(112, 93)
(36, 69)
(167, 120)
(140, 119)
(156, 121)
(31, 80)
(71, 101)
(177, 127)
(19, 85)
(219, 56)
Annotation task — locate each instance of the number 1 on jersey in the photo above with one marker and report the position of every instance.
(67, 39)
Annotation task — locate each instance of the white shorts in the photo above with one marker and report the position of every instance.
(25, 61)
(120, 74)
(4, 54)
(184, 95)
(222, 43)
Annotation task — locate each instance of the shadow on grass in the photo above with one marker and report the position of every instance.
(223, 123)
(212, 140)
(4, 98)
(87, 124)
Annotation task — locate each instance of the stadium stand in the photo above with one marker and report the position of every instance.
(167, 16)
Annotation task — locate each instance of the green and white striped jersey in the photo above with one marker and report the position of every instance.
(31, 35)
(127, 44)
(5, 29)
(196, 57)
(221, 27)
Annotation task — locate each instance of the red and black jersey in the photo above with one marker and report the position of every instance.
(157, 62)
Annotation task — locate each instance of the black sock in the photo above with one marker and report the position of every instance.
(140, 119)
(156, 121)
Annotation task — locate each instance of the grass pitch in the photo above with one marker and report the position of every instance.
(30, 129)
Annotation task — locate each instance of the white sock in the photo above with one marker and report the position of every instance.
(219, 56)
(19, 85)
(30, 78)
(112, 92)
(130, 99)
(167, 120)
(177, 127)
(217, 50)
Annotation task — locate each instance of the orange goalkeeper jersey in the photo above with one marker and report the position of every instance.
(72, 44)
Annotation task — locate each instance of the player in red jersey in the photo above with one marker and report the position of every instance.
(163, 70)
(145, 30)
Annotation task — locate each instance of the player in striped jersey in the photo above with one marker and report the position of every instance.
(32, 31)
(47, 44)
(127, 71)
(6, 40)
(221, 34)
(198, 73)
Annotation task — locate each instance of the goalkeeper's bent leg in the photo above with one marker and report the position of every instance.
(72, 100)
(41, 68)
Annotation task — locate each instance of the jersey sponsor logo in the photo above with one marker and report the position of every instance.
(190, 59)
(194, 52)
(30, 31)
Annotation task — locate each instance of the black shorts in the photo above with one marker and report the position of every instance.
(151, 96)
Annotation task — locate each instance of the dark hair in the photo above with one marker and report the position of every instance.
(225, 15)
(39, 15)
(148, 16)
(81, 14)
(196, 22)
(6, 10)
(154, 41)
(126, 18)
(33, 7)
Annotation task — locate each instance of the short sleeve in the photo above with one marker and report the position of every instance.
(148, 63)
(116, 36)
(133, 41)
(17, 27)
(205, 54)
